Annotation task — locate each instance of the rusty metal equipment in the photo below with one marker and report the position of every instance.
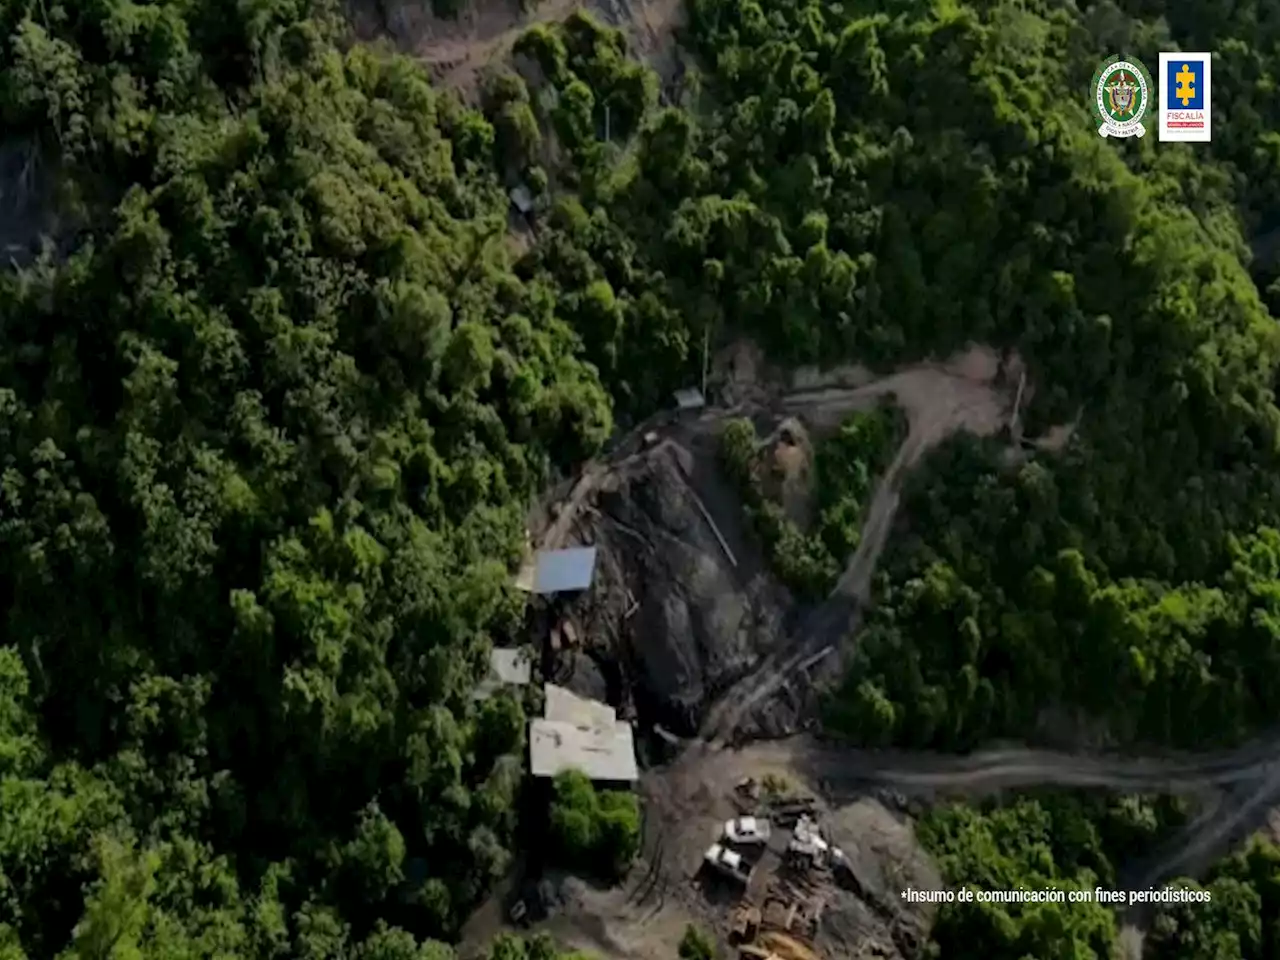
(778, 913)
(745, 924)
(785, 947)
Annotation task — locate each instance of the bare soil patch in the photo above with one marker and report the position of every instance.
(963, 393)
(1055, 438)
(685, 805)
(460, 49)
(787, 474)
(681, 601)
(706, 637)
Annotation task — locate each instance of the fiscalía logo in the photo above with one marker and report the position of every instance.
(1185, 105)
(1121, 93)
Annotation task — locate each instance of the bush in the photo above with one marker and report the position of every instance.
(696, 944)
(737, 450)
(597, 831)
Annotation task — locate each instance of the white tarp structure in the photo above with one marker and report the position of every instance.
(565, 706)
(558, 571)
(602, 753)
(510, 665)
(507, 666)
(690, 398)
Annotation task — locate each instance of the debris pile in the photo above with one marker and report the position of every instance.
(781, 921)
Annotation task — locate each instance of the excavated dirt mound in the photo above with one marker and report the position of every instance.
(786, 470)
(680, 600)
(884, 857)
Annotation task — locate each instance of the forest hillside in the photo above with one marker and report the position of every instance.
(277, 390)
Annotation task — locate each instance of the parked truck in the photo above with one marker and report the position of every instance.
(727, 863)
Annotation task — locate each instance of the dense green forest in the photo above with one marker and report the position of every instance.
(933, 214)
(273, 404)
(267, 435)
(595, 831)
(1073, 843)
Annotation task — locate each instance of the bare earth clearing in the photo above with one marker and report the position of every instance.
(686, 607)
(458, 51)
(939, 399)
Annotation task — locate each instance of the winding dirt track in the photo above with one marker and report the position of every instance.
(941, 399)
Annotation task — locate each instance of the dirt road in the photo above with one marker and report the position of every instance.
(939, 400)
(847, 771)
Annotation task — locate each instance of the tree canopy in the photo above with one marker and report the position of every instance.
(275, 396)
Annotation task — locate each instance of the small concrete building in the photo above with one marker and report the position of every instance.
(565, 706)
(521, 198)
(606, 755)
(690, 398)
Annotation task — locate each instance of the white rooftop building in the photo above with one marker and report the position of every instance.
(605, 754)
(690, 398)
(565, 706)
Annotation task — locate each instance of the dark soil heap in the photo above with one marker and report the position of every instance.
(682, 616)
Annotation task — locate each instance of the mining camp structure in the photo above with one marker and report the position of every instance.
(570, 570)
(575, 733)
(583, 734)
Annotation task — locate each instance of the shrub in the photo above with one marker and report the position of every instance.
(597, 831)
(696, 944)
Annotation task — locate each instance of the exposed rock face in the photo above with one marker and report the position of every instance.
(684, 617)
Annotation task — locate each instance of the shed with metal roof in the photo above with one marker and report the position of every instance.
(559, 571)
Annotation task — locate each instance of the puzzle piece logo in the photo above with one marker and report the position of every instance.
(1186, 88)
(1184, 83)
(1185, 112)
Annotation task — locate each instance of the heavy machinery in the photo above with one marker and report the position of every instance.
(728, 863)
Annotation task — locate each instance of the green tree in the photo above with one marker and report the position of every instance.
(596, 830)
